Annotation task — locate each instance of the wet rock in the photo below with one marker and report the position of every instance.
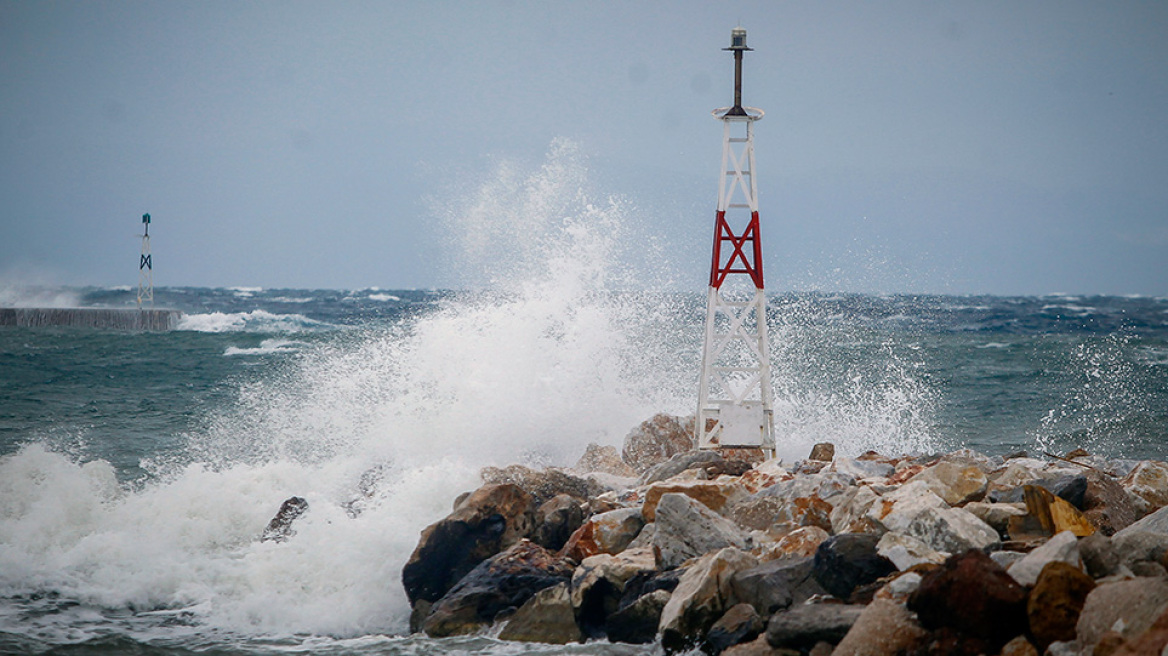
(906, 551)
(827, 486)
(637, 622)
(823, 452)
(1063, 547)
(657, 440)
(775, 585)
(1071, 488)
(1107, 505)
(739, 624)
(687, 529)
(1054, 604)
(884, 628)
(544, 484)
(682, 462)
(802, 627)
(972, 595)
(502, 583)
(954, 483)
(1148, 485)
(952, 530)
(603, 459)
(280, 528)
(491, 519)
(607, 533)
(715, 495)
(598, 585)
(702, 596)
(845, 562)
(556, 520)
(1129, 606)
(547, 618)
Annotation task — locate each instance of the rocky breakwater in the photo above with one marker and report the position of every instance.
(955, 553)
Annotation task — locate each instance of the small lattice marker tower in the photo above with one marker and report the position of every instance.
(735, 403)
(145, 266)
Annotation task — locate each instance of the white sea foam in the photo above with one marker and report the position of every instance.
(267, 347)
(253, 321)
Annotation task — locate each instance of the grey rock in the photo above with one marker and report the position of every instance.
(547, 618)
(1062, 547)
(952, 530)
(680, 463)
(1134, 604)
(1100, 558)
(1134, 545)
(280, 528)
(556, 520)
(777, 584)
(804, 626)
(685, 529)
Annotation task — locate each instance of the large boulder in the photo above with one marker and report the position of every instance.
(715, 495)
(884, 628)
(598, 586)
(687, 529)
(845, 562)
(1107, 505)
(952, 530)
(683, 462)
(802, 627)
(702, 596)
(1148, 485)
(490, 519)
(546, 618)
(604, 460)
(1063, 547)
(777, 585)
(637, 621)
(505, 582)
(543, 484)
(906, 551)
(607, 533)
(762, 513)
(896, 510)
(556, 520)
(1054, 604)
(657, 440)
(739, 624)
(974, 596)
(1129, 606)
(849, 513)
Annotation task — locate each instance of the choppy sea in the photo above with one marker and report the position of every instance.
(138, 469)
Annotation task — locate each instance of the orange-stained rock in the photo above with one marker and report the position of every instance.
(803, 541)
(604, 459)
(715, 495)
(884, 628)
(606, 533)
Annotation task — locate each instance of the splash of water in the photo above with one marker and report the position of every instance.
(379, 430)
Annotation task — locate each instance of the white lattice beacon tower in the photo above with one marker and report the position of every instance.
(736, 397)
(145, 267)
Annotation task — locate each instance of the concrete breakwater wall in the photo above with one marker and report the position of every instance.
(109, 318)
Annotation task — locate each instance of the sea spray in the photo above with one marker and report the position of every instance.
(380, 428)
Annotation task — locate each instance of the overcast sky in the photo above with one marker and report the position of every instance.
(960, 147)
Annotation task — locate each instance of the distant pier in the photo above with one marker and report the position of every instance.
(107, 318)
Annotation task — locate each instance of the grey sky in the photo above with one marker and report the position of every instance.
(966, 147)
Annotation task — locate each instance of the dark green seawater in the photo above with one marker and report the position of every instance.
(138, 469)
